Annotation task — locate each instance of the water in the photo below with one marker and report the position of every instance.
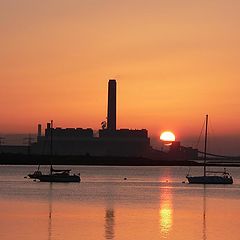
(152, 203)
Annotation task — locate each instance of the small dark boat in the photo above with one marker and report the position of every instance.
(35, 175)
(224, 178)
(59, 175)
(55, 175)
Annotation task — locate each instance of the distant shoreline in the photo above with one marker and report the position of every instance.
(22, 159)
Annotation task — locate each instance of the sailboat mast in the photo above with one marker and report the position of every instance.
(205, 145)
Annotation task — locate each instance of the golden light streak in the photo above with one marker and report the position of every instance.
(165, 212)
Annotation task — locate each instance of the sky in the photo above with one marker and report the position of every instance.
(174, 62)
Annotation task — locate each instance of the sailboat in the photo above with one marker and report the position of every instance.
(36, 173)
(55, 175)
(59, 175)
(221, 177)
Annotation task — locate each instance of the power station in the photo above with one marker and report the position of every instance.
(109, 142)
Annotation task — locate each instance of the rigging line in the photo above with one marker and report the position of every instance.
(214, 137)
(199, 138)
(197, 144)
(217, 155)
(211, 136)
(209, 144)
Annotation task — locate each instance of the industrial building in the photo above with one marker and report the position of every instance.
(109, 142)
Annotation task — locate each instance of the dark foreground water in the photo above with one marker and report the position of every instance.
(152, 203)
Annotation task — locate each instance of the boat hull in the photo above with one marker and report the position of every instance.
(54, 178)
(35, 175)
(209, 180)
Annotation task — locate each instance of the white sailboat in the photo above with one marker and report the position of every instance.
(218, 178)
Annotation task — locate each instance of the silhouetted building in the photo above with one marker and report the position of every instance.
(109, 142)
(177, 151)
(16, 149)
(112, 100)
(39, 134)
(78, 141)
(125, 142)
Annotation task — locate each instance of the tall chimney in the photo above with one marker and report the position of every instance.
(111, 116)
(39, 130)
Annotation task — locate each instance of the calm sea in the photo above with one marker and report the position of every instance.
(153, 203)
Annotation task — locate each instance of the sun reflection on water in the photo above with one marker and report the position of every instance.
(165, 211)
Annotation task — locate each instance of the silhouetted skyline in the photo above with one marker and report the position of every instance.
(174, 61)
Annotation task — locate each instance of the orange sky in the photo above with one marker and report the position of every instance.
(174, 61)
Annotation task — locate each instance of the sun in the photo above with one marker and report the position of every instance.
(167, 136)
